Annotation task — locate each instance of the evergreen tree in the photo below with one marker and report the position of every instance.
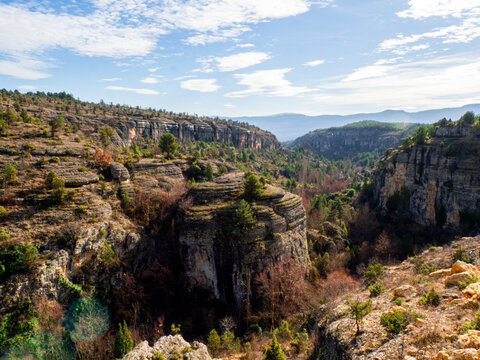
(168, 144)
(57, 124)
(123, 341)
(252, 188)
(209, 172)
(274, 351)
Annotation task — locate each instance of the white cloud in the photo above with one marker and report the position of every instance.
(420, 9)
(149, 80)
(268, 83)
(314, 63)
(229, 105)
(24, 69)
(184, 77)
(241, 60)
(112, 79)
(131, 28)
(418, 85)
(153, 69)
(468, 29)
(202, 85)
(232, 62)
(245, 45)
(138, 91)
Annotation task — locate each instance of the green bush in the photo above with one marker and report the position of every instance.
(15, 258)
(377, 288)
(3, 213)
(373, 272)
(9, 174)
(432, 298)
(461, 255)
(214, 343)
(4, 236)
(18, 324)
(474, 324)
(283, 330)
(222, 170)
(301, 343)
(464, 283)
(168, 144)
(274, 351)
(123, 341)
(397, 320)
(158, 356)
(75, 289)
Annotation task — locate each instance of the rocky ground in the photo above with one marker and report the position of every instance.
(438, 331)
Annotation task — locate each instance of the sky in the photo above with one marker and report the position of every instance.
(246, 57)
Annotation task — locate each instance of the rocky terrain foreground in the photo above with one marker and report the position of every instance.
(441, 327)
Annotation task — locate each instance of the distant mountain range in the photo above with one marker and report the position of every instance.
(290, 126)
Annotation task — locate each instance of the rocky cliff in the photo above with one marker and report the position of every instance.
(351, 140)
(131, 124)
(440, 179)
(224, 259)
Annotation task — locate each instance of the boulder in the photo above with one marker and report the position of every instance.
(119, 172)
(472, 291)
(461, 266)
(167, 345)
(454, 279)
(403, 291)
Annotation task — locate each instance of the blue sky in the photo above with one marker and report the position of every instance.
(246, 57)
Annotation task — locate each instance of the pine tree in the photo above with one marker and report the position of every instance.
(252, 188)
(123, 341)
(274, 351)
(209, 172)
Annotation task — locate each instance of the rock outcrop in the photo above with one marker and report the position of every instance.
(168, 347)
(354, 139)
(442, 177)
(223, 258)
(189, 130)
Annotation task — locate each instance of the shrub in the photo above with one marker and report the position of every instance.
(301, 343)
(464, 283)
(14, 258)
(431, 298)
(467, 119)
(422, 267)
(284, 330)
(18, 324)
(58, 195)
(376, 289)
(4, 236)
(3, 213)
(9, 174)
(229, 342)
(56, 124)
(75, 289)
(222, 170)
(175, 329)
(397, 320)
(373, 272)
(252, 188)
(358, 310)
(474, 324)
(123, 341)
(274, 351)
(158, 356)
(461, 255)
(214, 343)
(106, 134)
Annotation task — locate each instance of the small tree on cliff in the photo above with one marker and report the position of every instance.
(57, 124)
(123, 341)
(168, 144)
(274, 351)
(358, 310)
(252, 188)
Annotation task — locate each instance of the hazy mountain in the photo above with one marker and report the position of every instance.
(290, 126)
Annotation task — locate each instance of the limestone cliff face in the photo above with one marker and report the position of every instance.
(350, 140)
(224, 260)
(442, 175)
(201, 130)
